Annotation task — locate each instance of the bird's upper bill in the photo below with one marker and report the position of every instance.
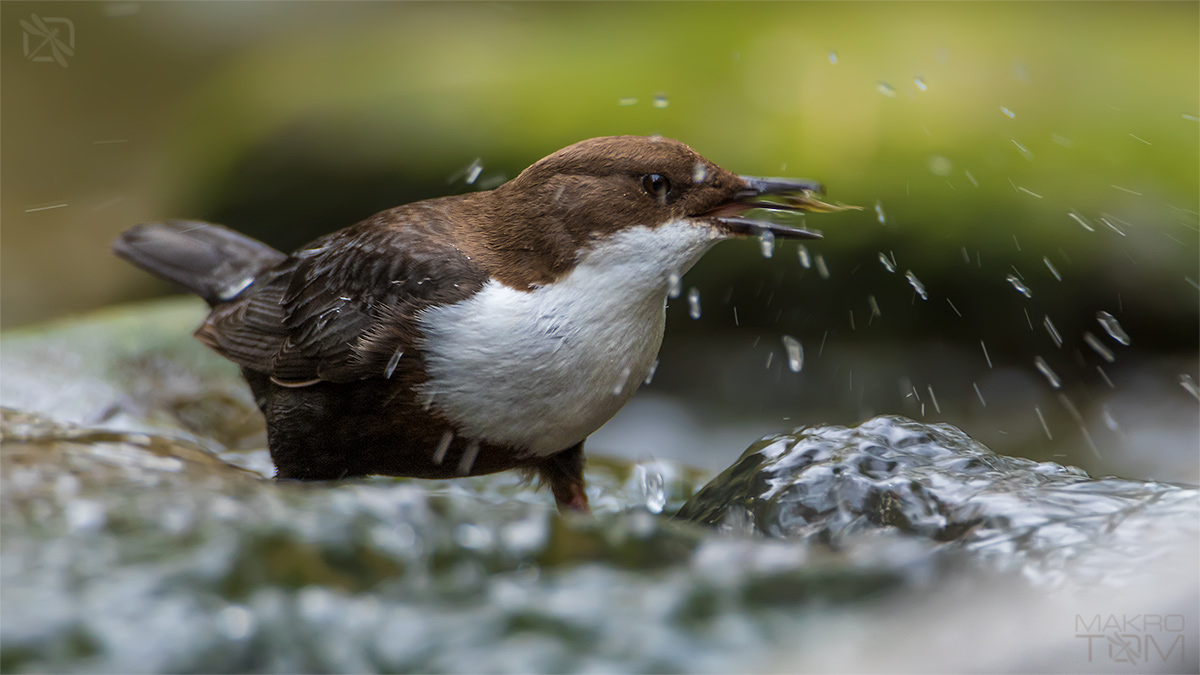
(772, 196)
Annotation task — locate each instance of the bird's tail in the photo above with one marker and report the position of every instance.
(212, 261)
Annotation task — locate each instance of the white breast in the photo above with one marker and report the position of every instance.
(543, 369)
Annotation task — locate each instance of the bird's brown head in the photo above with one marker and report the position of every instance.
(590, 190)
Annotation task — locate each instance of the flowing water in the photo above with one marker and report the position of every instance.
(140, 534)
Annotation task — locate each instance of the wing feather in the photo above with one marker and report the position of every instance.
(341, 308)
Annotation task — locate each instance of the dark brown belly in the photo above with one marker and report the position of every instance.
(330, 430)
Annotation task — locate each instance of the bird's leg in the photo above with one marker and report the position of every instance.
(564, 474)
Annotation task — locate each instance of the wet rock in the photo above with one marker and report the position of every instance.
(1054, 523)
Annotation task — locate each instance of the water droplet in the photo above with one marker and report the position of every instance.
(1112, 227)
(833, 57)
(1027, 154)
(1109, 420)
(1114, 330)
(467, 461)
(1098, 347)
(1075, 216)
(660, 101)
(1008, 113)
(1050, 267)
(235, 289)
(699, 172)
(1189, 385)
(443, 445)
(916, 284)
(474, 170)
(822, 268)
(622, 380)
(1044, 368)
(795, 353)
(85, 515)
(650, 373)
(392, 363)
(805, 259)
(886, 89)
(653, 489)
(920, 82)
(1052, 331)
(694, 302)
(940, 166)
(674, 285)
(887, 264)
(235, 622)
(627, 101)
(879, 212)
(470, 535)
(1045, 427)
(766, 243)
(1019, 285)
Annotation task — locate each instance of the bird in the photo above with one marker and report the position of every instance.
(473, 333)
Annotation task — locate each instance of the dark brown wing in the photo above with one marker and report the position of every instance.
(343, 308)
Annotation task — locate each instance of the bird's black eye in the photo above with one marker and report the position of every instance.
(657, 186)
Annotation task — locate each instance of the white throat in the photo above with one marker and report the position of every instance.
(541, 370)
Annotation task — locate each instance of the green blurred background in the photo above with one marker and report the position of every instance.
(1053, 142)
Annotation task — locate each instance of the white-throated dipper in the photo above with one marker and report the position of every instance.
(467, 334)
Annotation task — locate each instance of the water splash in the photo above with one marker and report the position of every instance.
(1008, 113)
(940, 165)
(920, 82)
(660, 101)
(766, 243)
(699, 173)
(886, 89)
(627, 101)
(1083, 222)
(1098, 347)
(887, 264)
(674, 285)
(622, 381)
(392, 363)
(1044, 369)
(1050, 266)
(650, 373)
(1019, 285)
(822, 268)
(805, 258)
(654, 489)
(916, 284)
(1054, 335)
(1189, 385)
(833, 57)
(1113, 328)
(795, 353)
(693, 298)
(879, 212)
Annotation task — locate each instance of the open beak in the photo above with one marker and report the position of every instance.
(773, 196)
